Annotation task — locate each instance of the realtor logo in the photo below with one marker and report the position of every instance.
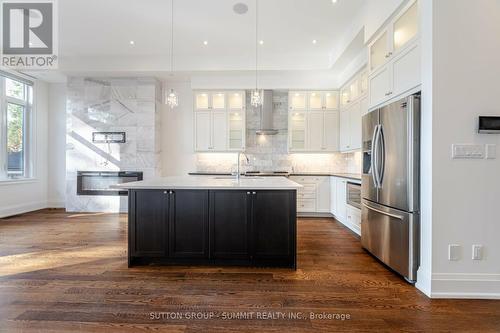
(29, 34)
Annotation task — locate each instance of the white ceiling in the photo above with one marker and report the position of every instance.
(94, 35)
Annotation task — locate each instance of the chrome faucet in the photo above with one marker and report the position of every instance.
(239, 158)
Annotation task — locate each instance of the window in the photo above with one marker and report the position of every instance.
(15, 111)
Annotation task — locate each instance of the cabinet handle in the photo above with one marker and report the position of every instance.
(165, 192)
(254, 193)
(248, 193)
(171, 192)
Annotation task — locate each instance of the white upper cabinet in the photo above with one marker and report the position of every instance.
(297, 100)
(315, 100)
(236, 100)
(315, 131)
(297, 124)
(236, 125)
(379, 51)
(405, 27)
(351, 111)
(313, 121)
(398, 71)
(202, 101)
(331, 100)
(331, 131)
(400, 32)
(219, 121)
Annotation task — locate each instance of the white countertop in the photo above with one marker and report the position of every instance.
(213, 183)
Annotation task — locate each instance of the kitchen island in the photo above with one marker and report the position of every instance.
(212, 221)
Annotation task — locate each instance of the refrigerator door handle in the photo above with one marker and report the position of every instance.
(381, 143)
(399, 217)
(376, 151)
(374, 157)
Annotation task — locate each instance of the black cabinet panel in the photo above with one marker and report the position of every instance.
(188, 224)
(147, 223)
(273, 224)
(230, 224)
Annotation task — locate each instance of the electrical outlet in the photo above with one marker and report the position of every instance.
(467, 151)
(454, 252)
(477, 252)
(491, 151)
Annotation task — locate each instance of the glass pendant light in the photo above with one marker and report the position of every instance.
(171, 98)
(256, 97)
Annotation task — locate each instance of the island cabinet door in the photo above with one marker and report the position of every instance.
(274, 226)
(188, 224)
(148, 223)
(230, 224)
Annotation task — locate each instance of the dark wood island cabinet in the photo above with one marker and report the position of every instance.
(212, 227)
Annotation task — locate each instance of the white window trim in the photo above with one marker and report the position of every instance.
(30, 155)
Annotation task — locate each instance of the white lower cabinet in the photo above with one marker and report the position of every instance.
(344, 213)
(314, 196)
(353, 219)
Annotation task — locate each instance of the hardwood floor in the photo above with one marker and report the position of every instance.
(64, 272)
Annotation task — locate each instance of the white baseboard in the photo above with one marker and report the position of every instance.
(354, 228)
(424, 281)
(22, 208)
(463, 285)
(56, 204)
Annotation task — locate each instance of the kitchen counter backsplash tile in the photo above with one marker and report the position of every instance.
(127, 105)
(270, 152)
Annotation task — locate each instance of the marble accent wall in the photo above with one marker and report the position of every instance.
(127, 105)
(270, 153)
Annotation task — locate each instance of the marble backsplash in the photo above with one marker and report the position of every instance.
(110, 105)
(270, 153)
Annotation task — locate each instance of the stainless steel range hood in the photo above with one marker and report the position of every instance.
(266, 115)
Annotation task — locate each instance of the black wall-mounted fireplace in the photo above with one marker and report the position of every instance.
(99, 182)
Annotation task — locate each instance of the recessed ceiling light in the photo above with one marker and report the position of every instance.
(314, 41)
(132, 42)
(205, 42)
(240, 8)
(261, 42)
(334, 1)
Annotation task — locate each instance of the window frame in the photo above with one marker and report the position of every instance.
(28, 129)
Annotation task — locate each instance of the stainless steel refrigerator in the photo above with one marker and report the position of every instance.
(390, 221)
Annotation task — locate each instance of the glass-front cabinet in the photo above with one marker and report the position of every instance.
(331, 100)
(236, 100)
(379, 51)
(405, 27)
(297, 101)
(236, 130)
(218, 101)
(219, 120)
(398, 34)
(297, 127)
(202, 100)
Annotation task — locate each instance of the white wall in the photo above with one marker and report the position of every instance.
(177, 133)
(463, 70)
(57, 145)
(28, 195)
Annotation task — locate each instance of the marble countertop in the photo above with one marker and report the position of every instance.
(355, 176)
(213, 183)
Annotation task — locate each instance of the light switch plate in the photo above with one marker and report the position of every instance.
(454, 252)
(491, 151)
(477, 252)
(467, 151)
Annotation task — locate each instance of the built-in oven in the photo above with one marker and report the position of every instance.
(100, 182)
(353, 194)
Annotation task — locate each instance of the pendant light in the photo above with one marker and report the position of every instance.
(171, 98)
(256, 97)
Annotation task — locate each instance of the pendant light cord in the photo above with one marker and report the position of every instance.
(256, 42)
(172, 40)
